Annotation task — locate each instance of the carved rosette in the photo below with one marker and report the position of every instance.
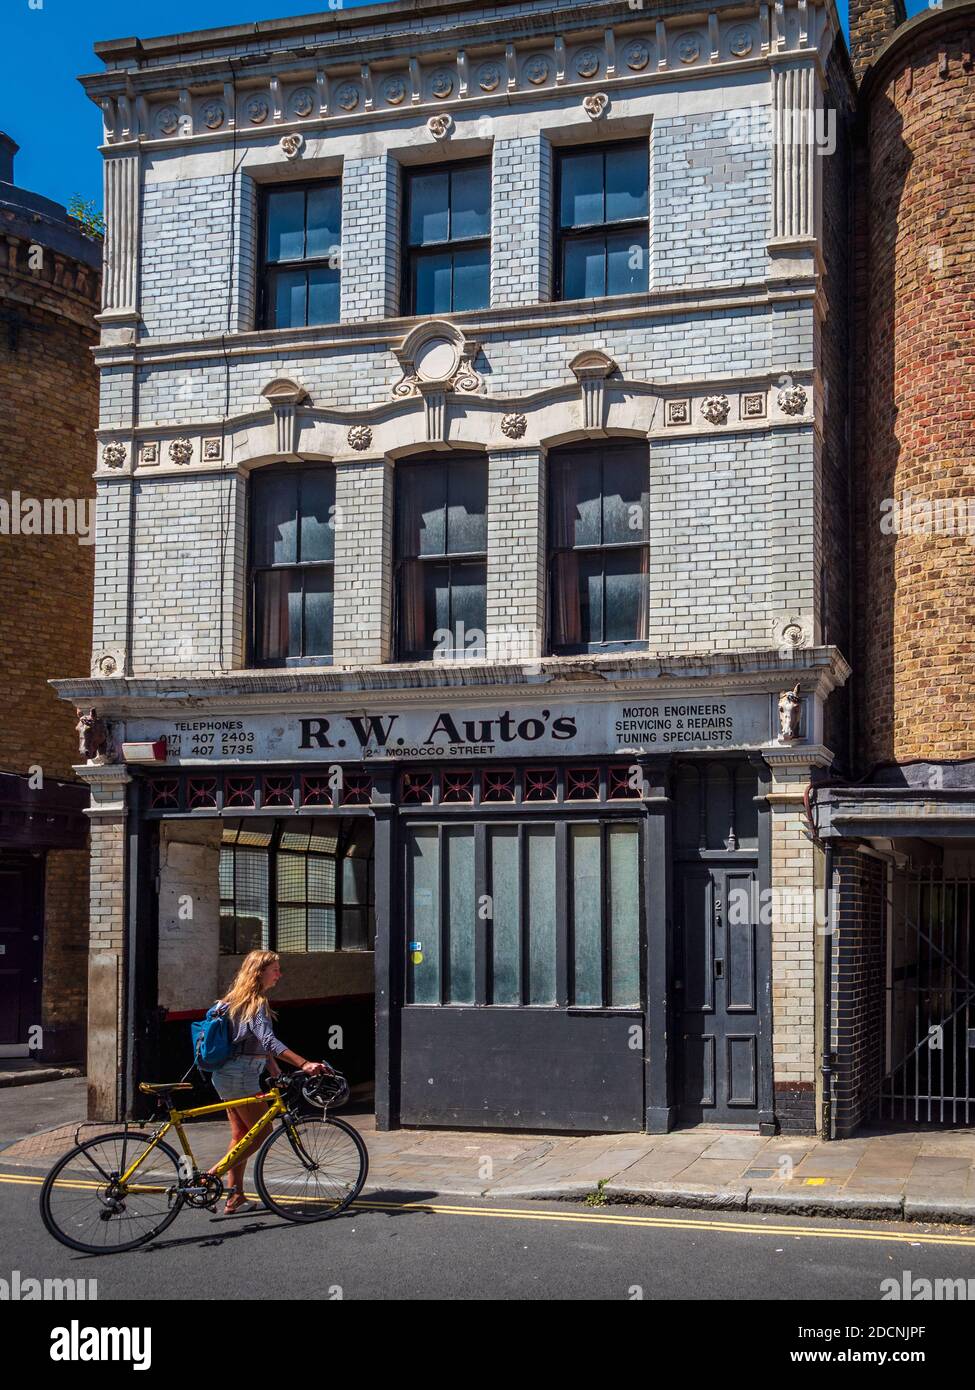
(715, 409)
(291, 145)
(181, 451)
(113, 455)
(360, 437)
(793, 400)
(439, 126)
(596, 104)
(513, 425)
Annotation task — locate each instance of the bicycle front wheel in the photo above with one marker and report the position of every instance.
(311, 1169)
(86, 1206)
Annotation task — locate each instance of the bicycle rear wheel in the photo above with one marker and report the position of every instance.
(311, 1169)
(86, 1207)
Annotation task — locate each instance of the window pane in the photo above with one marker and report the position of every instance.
(423, 858)
(627, 258)
(274, 506)
(625, 496)
(540, 913)
(324, 220)
(459, 847)
(429, 216)
(624, 915)
(582, 189)
(286, 225)
(318, 613)
(321, 929)
(354, 934)
(627, 176)
(468, 607)
(584, 268)
(433, 276)
(470, 207)
(290, 870)
(576, 501)
(505, 919)
(467, 486)
(472, 279)
(586, 914)
(436, 605)
(277, 600)
(317, 518)
(590, 570)
(355, 877)
(625, 579)
(289, 292)
(321, 880)
(291, 929)
(421, 509)
(323, 295)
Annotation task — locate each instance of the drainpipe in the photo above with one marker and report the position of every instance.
(827, 1066)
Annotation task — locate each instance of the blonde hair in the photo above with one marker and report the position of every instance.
(245, 996)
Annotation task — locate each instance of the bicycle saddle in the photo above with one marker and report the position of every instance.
(163, 1088)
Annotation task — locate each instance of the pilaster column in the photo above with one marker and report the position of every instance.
(796, 132)
(516, 554)
(362, 613)
(106, 960)
(120, 276)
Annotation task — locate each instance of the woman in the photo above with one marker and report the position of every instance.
(256, 1047)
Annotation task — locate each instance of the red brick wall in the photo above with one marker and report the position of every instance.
(915, 259)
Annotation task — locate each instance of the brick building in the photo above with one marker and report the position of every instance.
(49, 280)
(902, 1017)
(472, 576)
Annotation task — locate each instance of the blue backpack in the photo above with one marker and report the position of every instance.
(213, 1039)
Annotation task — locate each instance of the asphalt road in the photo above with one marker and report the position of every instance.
(452, 1250)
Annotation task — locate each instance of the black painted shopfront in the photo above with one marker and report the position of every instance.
(558, 945)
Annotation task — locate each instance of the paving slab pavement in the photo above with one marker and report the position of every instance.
(914, 1174)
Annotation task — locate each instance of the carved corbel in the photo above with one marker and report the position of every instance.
(284, 397)
(591, 368)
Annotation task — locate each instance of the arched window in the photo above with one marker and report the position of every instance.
(292, 540)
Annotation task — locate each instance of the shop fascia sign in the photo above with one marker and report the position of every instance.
(663, 724)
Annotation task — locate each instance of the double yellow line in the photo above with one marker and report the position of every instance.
(804, 1231)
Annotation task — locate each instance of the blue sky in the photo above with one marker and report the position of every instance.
(47, 43)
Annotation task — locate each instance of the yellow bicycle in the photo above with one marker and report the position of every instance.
(118, 1191)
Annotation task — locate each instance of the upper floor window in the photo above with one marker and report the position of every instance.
(448, 238)
(441, 558)
(292, 554)
(603, 245)
(302, 238)
(598, 530)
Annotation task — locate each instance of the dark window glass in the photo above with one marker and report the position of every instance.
(598, 530)
(302, 246)
(441, 558)
(292, 550)
(603, 211)
(448, 229)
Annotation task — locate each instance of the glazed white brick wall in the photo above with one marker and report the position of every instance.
(731, 539)
(793, 930)
(516, 554)
(521, 221)
(196, 277)
(370, 238)
(112, 527)
(188, 574)
(711, 197)
(362, 613)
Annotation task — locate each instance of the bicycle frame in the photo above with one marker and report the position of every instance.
(175, 1120)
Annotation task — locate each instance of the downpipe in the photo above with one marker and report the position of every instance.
(826, 1070)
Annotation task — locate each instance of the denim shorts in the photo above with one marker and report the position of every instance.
(238, 1077)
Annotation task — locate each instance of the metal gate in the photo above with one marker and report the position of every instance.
(929, 1066)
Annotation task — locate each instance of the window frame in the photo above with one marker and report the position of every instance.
(589, 229)
(271, 851)
(411, 254)
(449, 463)
(553, 551)
(268, 269)
(254, 661)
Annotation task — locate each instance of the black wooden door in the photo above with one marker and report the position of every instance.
(718, 991)
(21, 946)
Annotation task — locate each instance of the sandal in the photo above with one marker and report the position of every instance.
(236, 1201)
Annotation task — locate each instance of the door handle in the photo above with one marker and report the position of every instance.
(718, 969)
